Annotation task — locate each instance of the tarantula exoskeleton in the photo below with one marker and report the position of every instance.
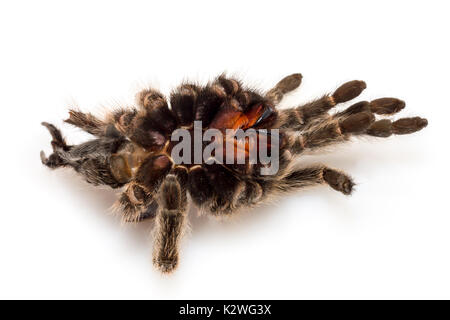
(134, 149)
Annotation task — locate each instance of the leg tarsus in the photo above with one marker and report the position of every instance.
(285, 85)
(408, 125)
(386, 106)
(348, 91)
(338, 181)
(289, 83)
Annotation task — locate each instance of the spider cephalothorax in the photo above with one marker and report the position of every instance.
(133, 150)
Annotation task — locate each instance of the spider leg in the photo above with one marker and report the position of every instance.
(87, 122)
(93, 159)
(116, 124)
(315, 175)
(285, 85)
(170, 223)
(302, 116)
(149, 126)
(250, 191)
(96, 170)
(328, 132)
(222, 194)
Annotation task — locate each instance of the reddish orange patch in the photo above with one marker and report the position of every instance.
(230, 118)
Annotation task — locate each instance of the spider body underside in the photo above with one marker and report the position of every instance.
(132, 150)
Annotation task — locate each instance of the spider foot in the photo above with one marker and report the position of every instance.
(289, 83)
(386, 106)
(348, 91)
(338, 181)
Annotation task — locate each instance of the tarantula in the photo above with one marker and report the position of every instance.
(133, 149)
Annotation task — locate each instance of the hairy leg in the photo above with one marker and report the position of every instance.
(121, 118)
(252, 191)
(91, 159)
(170, 223)
(87, 122)
(328, 132)
(96, 171)
(315, 175)
(300, 117)
(149, 126)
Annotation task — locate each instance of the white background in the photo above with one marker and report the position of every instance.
(389, 240)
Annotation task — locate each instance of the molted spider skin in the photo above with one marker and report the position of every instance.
(132, 149)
